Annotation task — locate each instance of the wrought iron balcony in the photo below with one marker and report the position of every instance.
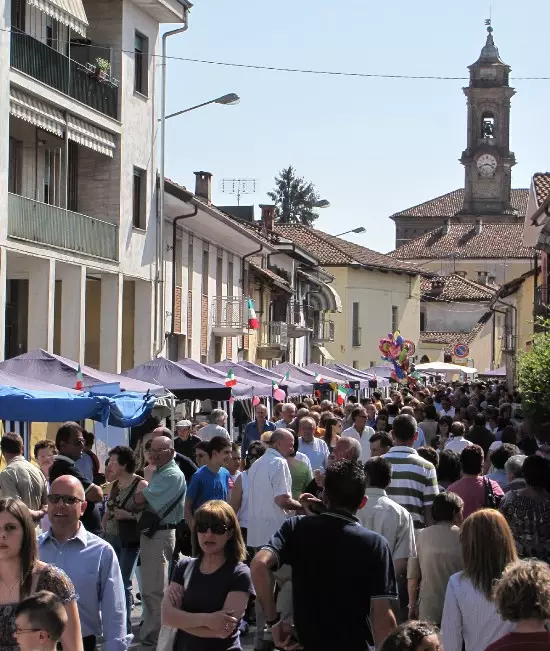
(38, 60)
(323, 332)
(542, 301)
(40, 223)
(273, 340)
(508, 342)
(298, 319)
(356, 337)
(228, 316)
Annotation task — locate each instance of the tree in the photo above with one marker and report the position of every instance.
(534, 377)
(295, 198)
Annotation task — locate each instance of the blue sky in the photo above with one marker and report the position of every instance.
(371, 146)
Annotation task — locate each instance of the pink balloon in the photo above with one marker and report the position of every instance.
(279, 394)
(255, 401)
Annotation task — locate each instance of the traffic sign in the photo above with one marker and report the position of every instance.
(409, 345)
(461, 350)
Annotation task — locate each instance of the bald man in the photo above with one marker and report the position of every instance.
(90, 563)
(185, 464)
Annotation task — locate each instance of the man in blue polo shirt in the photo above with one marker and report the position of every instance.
(254, 430)
(332, 598)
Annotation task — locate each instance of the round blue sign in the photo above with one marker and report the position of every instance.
(461, 350)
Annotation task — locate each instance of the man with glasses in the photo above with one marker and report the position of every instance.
(165, 497)
(90, 563)
(254, 430)
(360, 431)
(70, 442)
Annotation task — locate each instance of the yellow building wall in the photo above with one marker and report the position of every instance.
(525, 307)
(376, 293)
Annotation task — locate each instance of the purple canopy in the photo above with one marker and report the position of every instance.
(30, 384)
(41, 365)
(338, 376)
(299, 374)
(294, 388)
(357, 374)
(262, 389)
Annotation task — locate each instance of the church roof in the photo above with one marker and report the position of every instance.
(448, 205)
(454, 288)
(464, 241)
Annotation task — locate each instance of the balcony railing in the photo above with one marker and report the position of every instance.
(54, 69)
(508, 344)
(41, 223)
(273, 340)
(228, 317)
(323, 332)
(542, 301)
(356, 337)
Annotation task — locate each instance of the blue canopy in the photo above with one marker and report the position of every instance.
(130, 409)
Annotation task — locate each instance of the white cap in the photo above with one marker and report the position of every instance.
(184, 423)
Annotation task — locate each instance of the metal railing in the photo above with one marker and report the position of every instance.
(38, 222)
(66, 75)
(542, 301)
(274, 334)
(228, 312)
(298, 315)
(508, 344)
(356, 337)
(323, 331)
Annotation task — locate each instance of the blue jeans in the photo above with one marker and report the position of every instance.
(126, 559)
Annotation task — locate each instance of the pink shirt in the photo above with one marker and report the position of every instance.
(472, 491)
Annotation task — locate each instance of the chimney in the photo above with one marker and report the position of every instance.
(203, 186)
(446, 227)
(479, 226)
(482, 277)
(268, 216)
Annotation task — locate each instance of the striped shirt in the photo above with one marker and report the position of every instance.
(414, 481)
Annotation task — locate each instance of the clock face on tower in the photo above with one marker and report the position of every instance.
(486, 165)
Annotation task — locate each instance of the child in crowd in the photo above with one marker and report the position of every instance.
(40, 621)
(413, 636)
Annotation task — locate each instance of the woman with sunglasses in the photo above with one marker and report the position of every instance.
(207, 596)
(22, 574)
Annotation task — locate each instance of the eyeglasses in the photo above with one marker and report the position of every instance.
(79, 442)
(26, 630)
(155, 453)
(66, 499)
(218, 529)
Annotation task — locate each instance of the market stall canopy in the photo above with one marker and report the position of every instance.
(359, 375)
(305, 387)
(497, 372)
(259, 388)
(301, 374)
(41, 365)
(337, 375)
(183, 383)
(446, 368)
(294, 389)
(381, 370)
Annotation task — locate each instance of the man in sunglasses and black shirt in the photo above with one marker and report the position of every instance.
(70, 442)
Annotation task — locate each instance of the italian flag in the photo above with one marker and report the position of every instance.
(230, 380)
(319, 379)
(79, 379)
(253, 322)
(341, 394)
(286, 378)
(275, 385)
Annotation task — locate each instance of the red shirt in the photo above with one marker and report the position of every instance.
(522, 642)
(472, 491)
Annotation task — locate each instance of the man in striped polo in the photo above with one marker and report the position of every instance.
(414, 480)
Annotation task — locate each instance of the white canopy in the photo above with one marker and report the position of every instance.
(444, 367)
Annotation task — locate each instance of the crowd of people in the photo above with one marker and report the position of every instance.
(415, 522)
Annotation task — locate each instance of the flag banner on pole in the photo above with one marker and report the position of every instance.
(230, 380)
(79, 379)
(341, 394)
(286, 378)
(319, 379)
(253, 322)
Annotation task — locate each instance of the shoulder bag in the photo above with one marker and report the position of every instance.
(492, 501)
(167, 635)
(128, 529)
(150, 522)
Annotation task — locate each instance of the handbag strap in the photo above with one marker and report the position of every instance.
(133, 487)
(163, 514)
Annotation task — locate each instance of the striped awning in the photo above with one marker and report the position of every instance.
(68, 12)
(42, 115)
(87, 135)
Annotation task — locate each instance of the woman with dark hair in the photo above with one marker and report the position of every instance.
(527, 511)
(480, 435)
(429, 424)
(207, 596)
(333, 430)
(22, 574)
(470, 619)
(444, 430)
(413, 636)
(122, 514)
(448, 469)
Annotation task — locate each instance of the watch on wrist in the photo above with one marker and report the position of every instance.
(272, 622)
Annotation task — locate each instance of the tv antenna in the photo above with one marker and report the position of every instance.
(239, 187)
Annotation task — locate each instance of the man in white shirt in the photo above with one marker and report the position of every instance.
(446, 408)
(315, 449)
(288, 412)
(360, 432)
(216, 427)
(457, 442)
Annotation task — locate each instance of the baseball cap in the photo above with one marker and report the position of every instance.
(184, 423)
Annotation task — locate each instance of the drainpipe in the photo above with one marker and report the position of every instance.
(159, 260)
(174, 238)
(248, 255)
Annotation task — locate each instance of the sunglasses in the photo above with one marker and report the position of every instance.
(66, 499)
(218, 529)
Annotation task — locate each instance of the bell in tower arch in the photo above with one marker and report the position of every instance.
(488, 126)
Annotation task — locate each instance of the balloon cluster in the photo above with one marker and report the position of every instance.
(397, 350)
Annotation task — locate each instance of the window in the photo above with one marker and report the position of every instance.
(15, 166)
(355, 363)
(230, 272)
(355, 329)
(140, 189)
(52, 32)
(178, 262)
(488, 125)
(394, 318)
(72, 177)
(205, 271)
(141, 64)
(422, 320)
(52, 176)
(18, 15)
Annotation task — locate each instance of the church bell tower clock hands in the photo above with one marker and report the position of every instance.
(487, 159)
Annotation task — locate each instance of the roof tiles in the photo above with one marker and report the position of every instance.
(455, 288)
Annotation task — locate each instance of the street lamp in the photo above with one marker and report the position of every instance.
(227, 100)
(359, 229)
(322, 203)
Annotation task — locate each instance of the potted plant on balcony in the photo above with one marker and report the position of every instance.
(102, 67)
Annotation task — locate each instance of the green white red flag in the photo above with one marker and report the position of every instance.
(230, 380)
(253, 322)
(79, 379)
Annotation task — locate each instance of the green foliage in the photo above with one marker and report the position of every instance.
(295, 198)
(102, 64)
(534, 376)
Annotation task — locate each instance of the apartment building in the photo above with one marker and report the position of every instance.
(78, 161)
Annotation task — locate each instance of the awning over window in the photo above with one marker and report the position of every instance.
(68, 12)
(89, 136)
(324, 352)
(42, 115)
(331, 299)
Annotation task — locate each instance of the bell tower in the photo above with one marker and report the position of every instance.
(487, 158)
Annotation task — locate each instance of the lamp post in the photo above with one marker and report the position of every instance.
(322, 203)
(359, 229)
(226, 100)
